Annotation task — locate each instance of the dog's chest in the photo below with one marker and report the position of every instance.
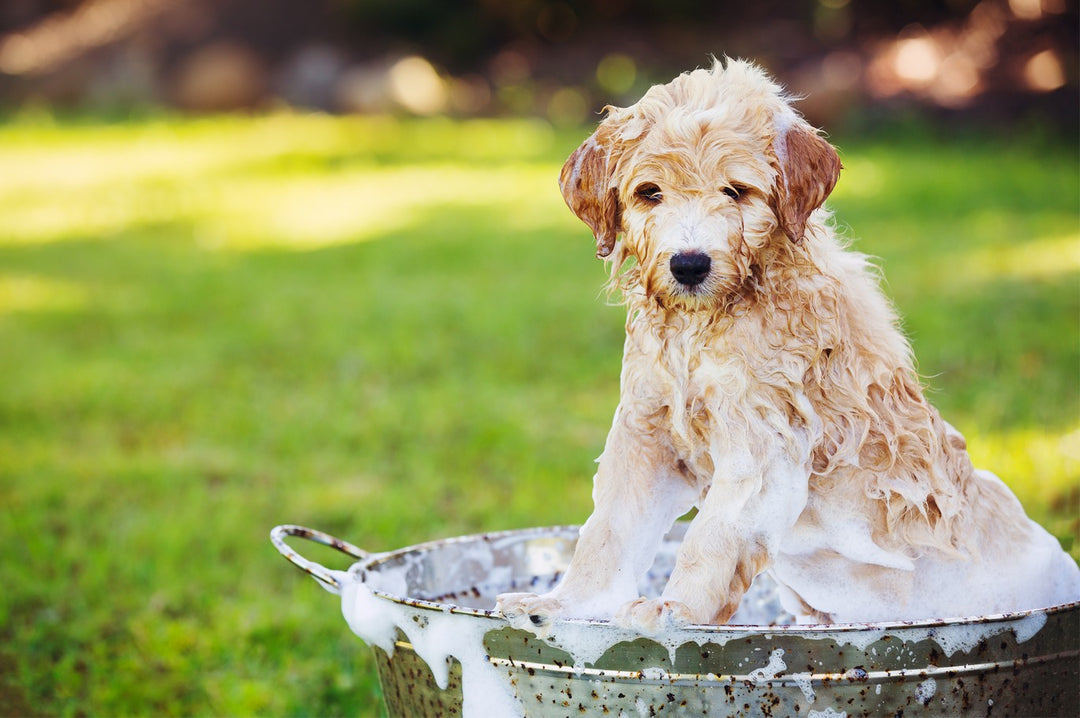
(694, 387)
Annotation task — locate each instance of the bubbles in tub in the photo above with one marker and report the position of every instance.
(654, 673)
(1027, 627)
(860, 638)
(827, 713)
(925, 691)
(436, 637)
(369, 617)
(775, 667)
(439, 636)
(806, 684)
(584, 644)
(392, 581)
(967, 636)
(472, 577)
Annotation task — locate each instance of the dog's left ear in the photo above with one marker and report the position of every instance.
(586, 186)
(809, 169)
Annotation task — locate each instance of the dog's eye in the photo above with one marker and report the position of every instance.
(649, 193)
(733, 192)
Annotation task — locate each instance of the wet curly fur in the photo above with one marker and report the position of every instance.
(766, 382)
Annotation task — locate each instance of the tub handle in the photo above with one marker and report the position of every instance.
(320, 573)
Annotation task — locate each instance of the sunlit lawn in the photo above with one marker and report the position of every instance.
(393, 331)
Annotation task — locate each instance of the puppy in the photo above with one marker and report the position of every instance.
(765, 382)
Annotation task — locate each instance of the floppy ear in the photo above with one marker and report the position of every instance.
(586, 186)
(809, 169)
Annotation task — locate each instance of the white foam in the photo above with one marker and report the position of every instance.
(950, 637)
(369, 617)
(654, 673)
(860, 639)
(441, 636)
(1028, 626)
(925, 691)
(805, 683)
(583, 642)
(827, 713)
(774, 667)
(967, 636)
(437, 637)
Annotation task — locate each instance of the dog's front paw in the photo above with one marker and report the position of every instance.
(653, 616)
(529, 612)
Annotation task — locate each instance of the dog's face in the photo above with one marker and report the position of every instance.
(706, 177)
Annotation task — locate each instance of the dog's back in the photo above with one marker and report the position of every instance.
(898, 524)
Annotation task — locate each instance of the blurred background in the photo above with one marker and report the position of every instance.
(561, 59)
(268, 261)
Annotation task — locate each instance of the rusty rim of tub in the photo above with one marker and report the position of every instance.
(367, 561)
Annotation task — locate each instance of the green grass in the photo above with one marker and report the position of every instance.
(393, 331)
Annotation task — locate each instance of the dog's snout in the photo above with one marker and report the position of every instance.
(690, 268)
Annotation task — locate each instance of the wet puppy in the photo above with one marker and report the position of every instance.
(765, 382)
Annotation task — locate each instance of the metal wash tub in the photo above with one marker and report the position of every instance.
(432, 605)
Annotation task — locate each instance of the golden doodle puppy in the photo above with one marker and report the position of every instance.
(765, 381)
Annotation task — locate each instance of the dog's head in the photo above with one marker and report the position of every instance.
(704, 177)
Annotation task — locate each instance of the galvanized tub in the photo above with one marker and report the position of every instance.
(445, 651)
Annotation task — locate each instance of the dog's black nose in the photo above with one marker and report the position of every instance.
(690, 268)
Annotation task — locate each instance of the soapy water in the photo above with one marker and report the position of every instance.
(924, 692)
(437, 636)
(441, 596)
(775, 667)
(486, 571)
(827, 713)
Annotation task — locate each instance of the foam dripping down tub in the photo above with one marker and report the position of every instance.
(441, 649)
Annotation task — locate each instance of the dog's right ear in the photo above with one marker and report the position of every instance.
(587, 187)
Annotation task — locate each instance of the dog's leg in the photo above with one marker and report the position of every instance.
(637, 495)
(738, 529)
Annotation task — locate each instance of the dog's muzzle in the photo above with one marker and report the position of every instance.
(690, 268)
